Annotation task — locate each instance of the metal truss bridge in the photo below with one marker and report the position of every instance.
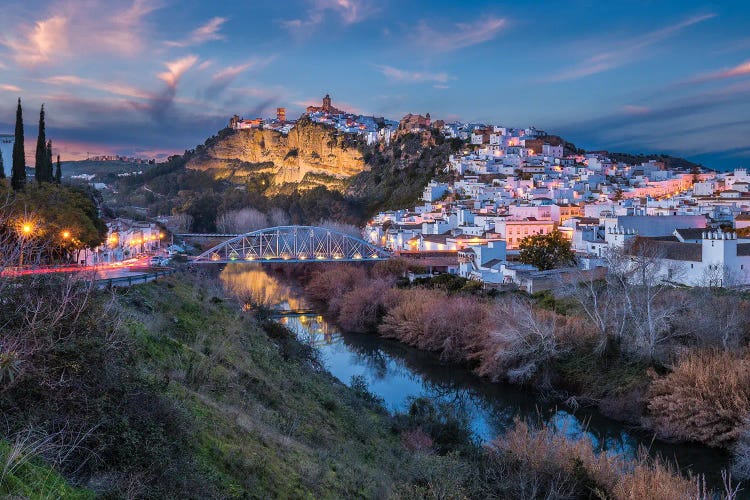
(293, 244)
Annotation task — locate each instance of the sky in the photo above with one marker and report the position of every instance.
(155, 77)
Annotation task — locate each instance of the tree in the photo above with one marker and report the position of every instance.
(58, 171)
(48, 172)
(18, 177)
(40, 165)
(2, 166)
(547, 251)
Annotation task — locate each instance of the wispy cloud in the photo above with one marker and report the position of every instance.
(348, 11)
(211, 31)
(175, 70)
(406, 76)
(739, 70)
(75, 29)
(623, 52)
(115, 88)
(226, 76)
(9, 88)
(459, 35)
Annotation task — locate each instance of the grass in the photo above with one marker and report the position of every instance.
(268, 420)
(26, 476)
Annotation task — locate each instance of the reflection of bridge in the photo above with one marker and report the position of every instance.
(293, 244)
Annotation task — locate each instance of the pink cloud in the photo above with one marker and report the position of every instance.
(9, 88)
(349, 12)
(211, 31)
(175, 70)
(460, 35)
(406, 76)
(109, 87)
(75, 28)
(739, 70)
(623, 52)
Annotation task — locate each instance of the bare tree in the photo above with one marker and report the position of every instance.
(600, 302)
(640, 276)
(182, 222)
(521, 343)
(241, 221)
(277, 217)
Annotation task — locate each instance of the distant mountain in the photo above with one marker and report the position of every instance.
(670, 162)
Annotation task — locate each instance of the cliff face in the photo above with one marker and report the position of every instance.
(310, 155)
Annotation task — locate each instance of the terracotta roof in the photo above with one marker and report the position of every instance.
(742, 217)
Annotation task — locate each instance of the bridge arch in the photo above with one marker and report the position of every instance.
(292, 244)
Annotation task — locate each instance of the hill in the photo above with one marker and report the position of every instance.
(311, 155)
(105, 171)
(670, 162)
(314, 175)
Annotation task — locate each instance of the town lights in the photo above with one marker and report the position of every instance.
(65, 235)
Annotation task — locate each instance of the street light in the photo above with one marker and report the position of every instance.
(66, 234)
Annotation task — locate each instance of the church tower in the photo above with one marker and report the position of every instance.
(327, 103)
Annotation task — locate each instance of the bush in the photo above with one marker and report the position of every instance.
(706, 398)
(431, 320)
(522, 343)
(543, 462)
(332, 282)
(362, 308)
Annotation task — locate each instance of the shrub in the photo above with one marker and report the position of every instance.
(331, 282)
(706, 398)
(545, 462)
(431, 320)
(521, 344)
(363, 307)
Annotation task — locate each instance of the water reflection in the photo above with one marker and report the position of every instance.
(396, 373)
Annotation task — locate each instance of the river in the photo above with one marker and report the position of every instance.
(396, 373)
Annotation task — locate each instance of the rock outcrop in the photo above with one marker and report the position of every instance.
(312, 154)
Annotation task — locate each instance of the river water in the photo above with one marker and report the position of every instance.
(396, 373)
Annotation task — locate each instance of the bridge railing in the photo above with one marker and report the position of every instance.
(292, 244)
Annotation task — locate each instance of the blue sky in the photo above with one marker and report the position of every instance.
(152, 77)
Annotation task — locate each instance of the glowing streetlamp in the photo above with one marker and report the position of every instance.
(65, 235)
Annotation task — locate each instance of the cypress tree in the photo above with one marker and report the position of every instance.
(58, 172)
(18, 177)
(2, 166)
(40, 166)
(48, 172)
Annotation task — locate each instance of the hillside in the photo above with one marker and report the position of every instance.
(670, 162)
(357, 181)
(311, 154)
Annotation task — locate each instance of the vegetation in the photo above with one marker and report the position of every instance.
(396, 177)
(50, 222)
(18, 177)
(672, 361)
(547, 251)
(43, 164)
(399, 172)
(670, 162)
(168, 390)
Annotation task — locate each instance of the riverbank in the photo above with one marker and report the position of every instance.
(549, 343)
(181, 394)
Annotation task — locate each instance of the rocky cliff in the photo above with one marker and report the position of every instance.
(311, 155)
